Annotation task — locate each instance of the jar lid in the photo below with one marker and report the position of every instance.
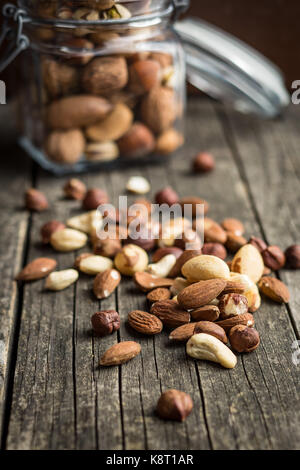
(228, 69)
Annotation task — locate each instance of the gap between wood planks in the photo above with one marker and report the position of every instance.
(228, 134)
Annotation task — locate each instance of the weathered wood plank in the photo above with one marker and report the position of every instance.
(42, 414)
(159, 366)
(268, 155)
(63, 400)
(98, 409)
(14, 226)
(247, 408)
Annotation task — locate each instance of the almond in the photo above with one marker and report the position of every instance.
(182, 333)
(105, 283)
(201, 293)
(212, 329)
(274, 289)
(77, 111)
(144, 322)
(161, 293)
(170, 313)
(245, 319)
(37, 269)
(120, 353)
(248, 261)
(205, 267)
(147, 282)
(234, 287)
(206, 313)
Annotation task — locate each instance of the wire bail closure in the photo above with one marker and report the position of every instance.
(12, 30)
(180, 6)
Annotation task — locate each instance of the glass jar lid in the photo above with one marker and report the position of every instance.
(229, 70)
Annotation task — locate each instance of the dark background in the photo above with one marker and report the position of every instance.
(271, 26)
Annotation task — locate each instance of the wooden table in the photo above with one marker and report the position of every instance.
(54, 395)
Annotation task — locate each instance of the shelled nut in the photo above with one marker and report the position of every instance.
(174, 405)
(207, 347)
(105, 322)
(244, 339)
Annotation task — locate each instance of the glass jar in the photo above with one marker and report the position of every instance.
(102, 82)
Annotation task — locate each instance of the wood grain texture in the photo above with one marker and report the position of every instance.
(14, 226)
(62, 399)
(268, 157)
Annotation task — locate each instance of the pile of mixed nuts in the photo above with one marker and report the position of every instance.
(203, 300)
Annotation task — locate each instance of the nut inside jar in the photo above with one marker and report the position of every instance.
(99, 92)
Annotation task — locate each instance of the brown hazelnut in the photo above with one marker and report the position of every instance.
(168, 141)
(204, 162)
(75, 189)
(213, 232)
(35, 200)
(231, 305)
(274, 258)
(146, 243)
(137, 142)
(65, 147)
(292, 255)
(189, 239)
(94, 198)
(162, 252)
(234, 226)
(161, 293)
(234, 242)
(167, 196)
(258, 243)
(105, 322)
(174, 405)
(212, 329)
(244, 339)
(143, 75)
(108, 247)
(214, 249)
(195, 202)
(49, 228)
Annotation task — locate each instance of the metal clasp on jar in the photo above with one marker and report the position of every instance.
(12, 30)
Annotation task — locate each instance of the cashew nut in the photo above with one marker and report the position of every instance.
(209, 348)
(163, 267)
